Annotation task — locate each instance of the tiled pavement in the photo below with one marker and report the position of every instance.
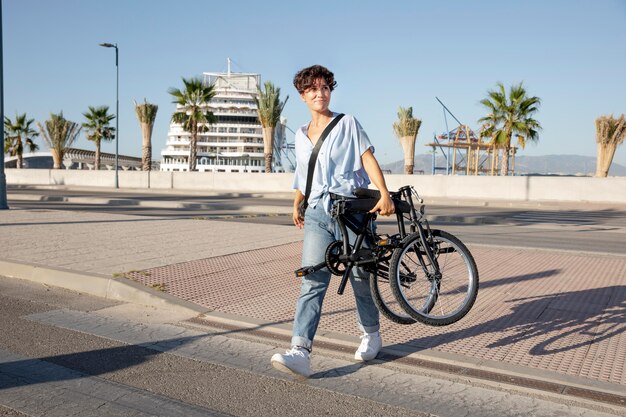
(559, 312)
(541, 310)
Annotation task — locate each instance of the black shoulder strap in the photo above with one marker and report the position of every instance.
(313, 158)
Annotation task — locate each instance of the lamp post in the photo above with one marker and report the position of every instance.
(246, 157)
(117, 107)
(217, 159)
(3, 178)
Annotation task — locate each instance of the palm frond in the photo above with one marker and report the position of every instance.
(17, 133)
(610, 130)
(191, 101)
(146, 112)
(511, 115)
(407, 125)
(269, 105)
(97, 124)
(58, 132)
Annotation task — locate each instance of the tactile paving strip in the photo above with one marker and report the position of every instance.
(545, 310)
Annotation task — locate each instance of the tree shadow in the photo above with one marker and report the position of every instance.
(23, 372)
(78, 365)
(518, 278)
(64, 222)
(558, 323)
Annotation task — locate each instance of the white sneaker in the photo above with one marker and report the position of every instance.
(296, 361)
(371, 343)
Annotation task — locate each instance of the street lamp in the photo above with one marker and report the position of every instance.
(3, 178)
(117, 107)
(246, 157)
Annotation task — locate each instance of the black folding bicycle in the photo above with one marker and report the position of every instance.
(424, 275)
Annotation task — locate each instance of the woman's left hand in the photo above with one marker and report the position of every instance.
(385, 206)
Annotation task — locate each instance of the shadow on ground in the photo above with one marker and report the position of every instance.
(558, 322)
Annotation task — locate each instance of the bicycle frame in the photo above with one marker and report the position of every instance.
(358, 255)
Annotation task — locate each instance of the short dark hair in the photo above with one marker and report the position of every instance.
(305, 78)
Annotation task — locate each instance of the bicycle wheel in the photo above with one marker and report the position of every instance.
(383, 297)
(434, 297)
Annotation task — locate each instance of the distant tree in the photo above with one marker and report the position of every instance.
(270, 108)
(488, 130)
(509, 116)
(610, 134)
(97, 128)
(406, 129)
(59, 134)
(191, 113)
(17, 134)
(146, 114)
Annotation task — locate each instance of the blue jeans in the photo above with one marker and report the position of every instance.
(320, 230)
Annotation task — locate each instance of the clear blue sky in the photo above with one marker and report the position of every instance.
(571, 54)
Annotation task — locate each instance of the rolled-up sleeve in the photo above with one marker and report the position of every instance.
(299, 179)
(359, 144)
(362, 139)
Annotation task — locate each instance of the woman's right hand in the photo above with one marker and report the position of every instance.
(297, 220)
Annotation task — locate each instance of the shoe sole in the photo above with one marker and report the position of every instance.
(283, 368)
(361, 359)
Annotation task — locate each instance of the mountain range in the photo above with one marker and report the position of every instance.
(524, 165)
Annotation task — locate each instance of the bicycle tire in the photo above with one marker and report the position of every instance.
(385, 301)
(431, 300)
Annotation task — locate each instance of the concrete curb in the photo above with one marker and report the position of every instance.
(119, 289)
(488, 371)
(144, 203)
(289, 195)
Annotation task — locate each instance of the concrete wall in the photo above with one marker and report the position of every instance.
(606, 190)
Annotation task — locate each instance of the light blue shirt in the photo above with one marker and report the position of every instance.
(338, 168)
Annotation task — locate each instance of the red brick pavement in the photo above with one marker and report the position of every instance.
(540, 309)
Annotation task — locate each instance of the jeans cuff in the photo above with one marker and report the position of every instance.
(301, 341)
(370, 329)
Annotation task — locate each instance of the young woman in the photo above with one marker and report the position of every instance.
(345, 161)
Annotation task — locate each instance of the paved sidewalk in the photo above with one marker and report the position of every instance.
(551, 317)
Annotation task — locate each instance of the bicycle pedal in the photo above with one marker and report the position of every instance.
(382, 240)
(306, 270)
(386, 241)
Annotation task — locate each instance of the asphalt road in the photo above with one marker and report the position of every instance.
(67, 354)
(573, 227)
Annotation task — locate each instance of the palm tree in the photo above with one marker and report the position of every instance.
(18, 134)
(59, 133)
(270, 108)
(510, 116)
(406, 129)
(146, 114)
(98, 129)
(610, 133)
(190, 112)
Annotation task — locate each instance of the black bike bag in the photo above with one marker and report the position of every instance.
(358, 204)
(366, 193)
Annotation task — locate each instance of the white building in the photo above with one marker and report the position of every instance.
(75, 158)
(235, 142)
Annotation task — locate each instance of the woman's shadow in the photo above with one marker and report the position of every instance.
(573, 320)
